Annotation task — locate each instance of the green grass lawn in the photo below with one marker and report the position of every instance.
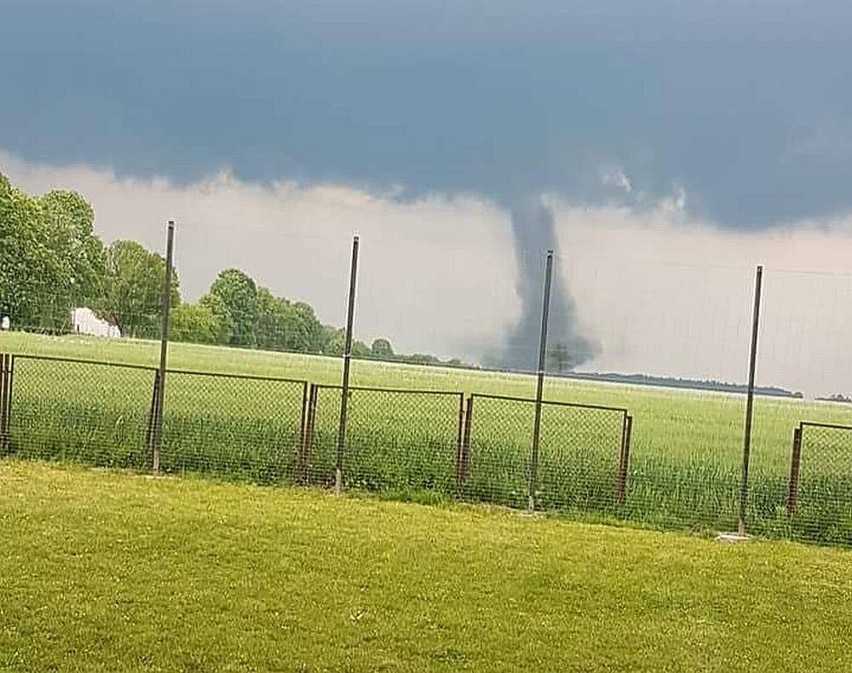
(105, 571)
(685, 458)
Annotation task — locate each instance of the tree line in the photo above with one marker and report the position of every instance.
(51, 262)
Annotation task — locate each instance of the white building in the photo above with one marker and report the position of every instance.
(86, 322)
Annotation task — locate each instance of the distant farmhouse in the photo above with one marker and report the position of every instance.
(86, 322)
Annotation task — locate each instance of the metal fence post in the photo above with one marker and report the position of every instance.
(303, 427)
(308, 436)
(460, 443)
(795, 464)
(749, 414)
(152, 413)
(304, 414)
(157, 433)
(7, 365)
(539, 393)
(347, 361)
(624, 460)
(3, 367)
(468, 427)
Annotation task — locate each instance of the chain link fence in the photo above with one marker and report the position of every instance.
(819, 490)
(413, 442)
(583, 453)
(102, 414)
(496, 449)
(686, 473)
(79, 411)
(244, 427)
(584, 457)
(399, 440)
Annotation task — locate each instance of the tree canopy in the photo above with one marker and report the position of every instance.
(51, 261)
(133, 286)
(238, 294)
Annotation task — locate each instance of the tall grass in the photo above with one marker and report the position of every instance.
(685, 462)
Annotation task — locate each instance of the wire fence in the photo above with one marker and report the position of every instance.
(819, 490)
(247, 427)
(692, 460)
(395, 439)
(72, 410)
(417, 443)
(583, 454)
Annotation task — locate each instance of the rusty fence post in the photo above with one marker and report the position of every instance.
(624, 459)
(3, 368)
(308, 436)
(460, 443)
(304, 413)
(6, 368)
(795, 464)
(10, 389)
(468, 427)
(152, 415)
(300, 443)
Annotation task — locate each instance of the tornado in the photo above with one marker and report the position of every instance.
(534, 233)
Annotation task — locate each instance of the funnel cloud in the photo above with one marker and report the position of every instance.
(533, 232)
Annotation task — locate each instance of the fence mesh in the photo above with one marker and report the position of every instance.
(497, 449)
(685, 469)
(805, 328)
(672, 335)
(581, 451)
(92, 413)
(241, 427)
(668, 337)
(395, 439)
(276, 430)
(820, 483)
(580, 456)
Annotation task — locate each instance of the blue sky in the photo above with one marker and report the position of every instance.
(744, 105)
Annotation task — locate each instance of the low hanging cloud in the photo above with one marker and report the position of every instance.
(434, 275)
(658, 291)
(669, 294)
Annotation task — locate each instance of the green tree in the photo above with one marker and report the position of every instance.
(223, 317)
(238, 293)
(381, 349)
(336, 344)
(31, 271)
(334, 341)
(279, 326)
(196, 323)
(317, 335)
(133, 289)
(70, 226)
(360, 350)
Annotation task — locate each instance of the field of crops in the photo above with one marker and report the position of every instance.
(685, 457)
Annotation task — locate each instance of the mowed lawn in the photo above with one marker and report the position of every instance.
(108, 571)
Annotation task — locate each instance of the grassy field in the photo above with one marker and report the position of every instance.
(104, 571)
(685, 459)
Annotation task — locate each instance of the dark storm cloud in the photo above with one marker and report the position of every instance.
(732, 101)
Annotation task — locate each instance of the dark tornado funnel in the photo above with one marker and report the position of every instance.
(534, 233)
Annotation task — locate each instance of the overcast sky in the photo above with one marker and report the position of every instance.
(679, 143)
